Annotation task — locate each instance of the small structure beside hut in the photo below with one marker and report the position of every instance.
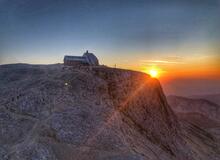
(86, 59)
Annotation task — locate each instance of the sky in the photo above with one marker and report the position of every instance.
(177, 37)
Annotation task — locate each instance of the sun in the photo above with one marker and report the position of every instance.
(153, 73)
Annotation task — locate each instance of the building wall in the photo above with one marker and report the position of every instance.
(86, 59)
(73, 63)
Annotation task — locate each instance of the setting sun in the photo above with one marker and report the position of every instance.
(153, 73)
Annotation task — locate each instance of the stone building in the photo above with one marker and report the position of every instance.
(86, 59)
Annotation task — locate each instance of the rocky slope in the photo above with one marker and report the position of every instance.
(215, 98)
(198, 112)
(200, 106)
(52, 112)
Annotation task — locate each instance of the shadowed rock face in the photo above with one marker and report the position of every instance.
(91, 113)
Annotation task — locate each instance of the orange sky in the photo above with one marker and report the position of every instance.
(200, 62)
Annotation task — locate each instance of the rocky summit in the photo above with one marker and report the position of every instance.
(53, 112)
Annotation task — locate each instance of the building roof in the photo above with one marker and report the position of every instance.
(91, 58)
(87, 57)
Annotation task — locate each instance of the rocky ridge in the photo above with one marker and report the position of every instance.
(52, 112)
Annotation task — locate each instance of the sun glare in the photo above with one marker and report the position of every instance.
(153, 73)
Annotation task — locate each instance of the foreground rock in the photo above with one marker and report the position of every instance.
(53, 112)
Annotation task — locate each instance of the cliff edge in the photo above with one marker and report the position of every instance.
(52, 112)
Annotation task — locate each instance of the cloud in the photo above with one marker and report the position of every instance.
(161, 62)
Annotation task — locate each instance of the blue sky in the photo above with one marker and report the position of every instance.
(117, 31)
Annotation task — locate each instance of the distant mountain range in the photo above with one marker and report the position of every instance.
(215, 98)
(200, 106)
(198, 112)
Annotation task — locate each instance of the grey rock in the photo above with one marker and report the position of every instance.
(13, 128)
(51, 112)
(34, 152)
